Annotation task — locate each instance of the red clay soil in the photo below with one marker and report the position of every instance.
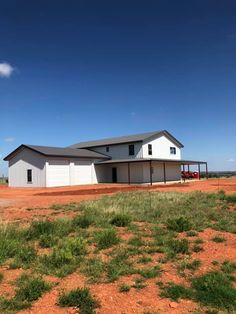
(139, 301)
(113, 301)
(43, 197)
(15, 201)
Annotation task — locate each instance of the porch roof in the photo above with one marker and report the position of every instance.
(177, 162)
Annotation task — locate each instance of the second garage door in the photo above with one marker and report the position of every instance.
(58, 173)
(83, 172)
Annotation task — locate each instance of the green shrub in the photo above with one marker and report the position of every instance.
(80, 298)
(179, 224)
(1, 277)
(106, 238)
(120, 220)
(215, 289)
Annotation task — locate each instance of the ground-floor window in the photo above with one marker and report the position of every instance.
(29, 175)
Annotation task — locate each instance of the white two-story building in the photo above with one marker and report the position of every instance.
(141, 158)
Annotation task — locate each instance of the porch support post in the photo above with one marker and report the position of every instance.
(199, 171)
(164, 168)
(206, 171)
(188, 168)
(183, 167)
(128, 173)
(150, 169)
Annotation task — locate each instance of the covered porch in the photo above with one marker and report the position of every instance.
(146, 170)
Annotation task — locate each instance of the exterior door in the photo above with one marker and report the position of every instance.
(114, 175)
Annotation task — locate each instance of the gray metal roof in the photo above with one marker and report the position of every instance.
(132, 160)
(126, 139)
(58, 152)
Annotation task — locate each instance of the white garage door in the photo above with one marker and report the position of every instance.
(83, 172)
(58, 173)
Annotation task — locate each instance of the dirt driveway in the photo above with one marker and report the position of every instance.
(44, 197)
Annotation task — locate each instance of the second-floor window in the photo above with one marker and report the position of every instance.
(172, 150)
(149, 149)
(131, 150)
(107, 149)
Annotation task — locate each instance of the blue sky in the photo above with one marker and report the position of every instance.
(85, 70)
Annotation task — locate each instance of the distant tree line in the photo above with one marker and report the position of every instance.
(219, 174)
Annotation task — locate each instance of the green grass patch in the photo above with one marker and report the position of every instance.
(106, 238)
(228, 267)
(175, 292)
(136, 241)
(179, 246)
(94, 268)
(120, 220)
(191, 233)
(80, 298)
(218, 239)
(28, 290)
(215, 289)
(83, 221)
(124, 288)
(151, 272)
(119, 266)
(144, 260)
(11, 239)
(179, 224)
(65, 258)
(197, 248)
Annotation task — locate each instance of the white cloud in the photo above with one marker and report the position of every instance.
(231, 160)
(5, 69)
(9, 139)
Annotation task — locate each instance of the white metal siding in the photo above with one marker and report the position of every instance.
(173, 172)
(18, 165)
(161, 148)
(120, 151)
